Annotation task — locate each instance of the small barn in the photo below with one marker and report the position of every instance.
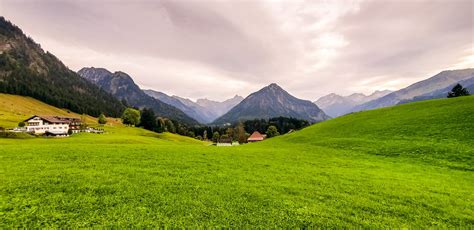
(224, 141)
(256, 136)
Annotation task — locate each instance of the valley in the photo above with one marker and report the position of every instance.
(122, 134)
(380, 168)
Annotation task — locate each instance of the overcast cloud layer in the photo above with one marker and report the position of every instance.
(216, 49)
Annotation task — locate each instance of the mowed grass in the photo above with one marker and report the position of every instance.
(404, 166)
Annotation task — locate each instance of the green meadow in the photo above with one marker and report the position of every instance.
(408, 166)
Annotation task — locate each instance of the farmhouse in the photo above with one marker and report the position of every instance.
(52, 125)
(224, 141)
(256, 136)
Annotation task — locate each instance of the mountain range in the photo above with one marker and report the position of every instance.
(203, 110)
(441, 93)
(336, 105)
(437, 85)
(122, 86)
(26, 69)
(272, 101)
(219, 108)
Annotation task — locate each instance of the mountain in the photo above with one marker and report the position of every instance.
(122, 86)
(187, 106)
(219, 108)
(336, 105)
(26, 69)
(203, 110)
(442, 93)
(439, 81)
(273, 101)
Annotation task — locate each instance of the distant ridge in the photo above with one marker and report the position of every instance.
(122, 86)
(203, 110)
(439, 81)
(442, 93)
(272, 101)
(336, 105)
(189, 108)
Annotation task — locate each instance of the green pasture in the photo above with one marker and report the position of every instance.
(405, 166)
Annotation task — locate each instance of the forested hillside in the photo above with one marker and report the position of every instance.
(26, 69)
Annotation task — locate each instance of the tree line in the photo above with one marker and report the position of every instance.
(238, 132)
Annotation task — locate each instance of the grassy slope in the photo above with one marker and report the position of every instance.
(14, 108)
(410, 165)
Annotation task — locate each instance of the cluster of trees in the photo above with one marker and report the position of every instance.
(147, 119)
(282, 124)
(239, 132)
(458, 91)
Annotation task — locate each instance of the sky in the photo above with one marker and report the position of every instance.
(217, 49)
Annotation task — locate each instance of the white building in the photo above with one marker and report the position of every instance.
(53, 125)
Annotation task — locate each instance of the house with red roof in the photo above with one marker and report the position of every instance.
(256, 136)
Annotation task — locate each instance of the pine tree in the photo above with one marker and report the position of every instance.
(458, 91)
(148, 120)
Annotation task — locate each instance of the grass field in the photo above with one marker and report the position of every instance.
(406, 166)
(14, 108)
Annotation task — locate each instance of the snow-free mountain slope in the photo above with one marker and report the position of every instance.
(273, 101)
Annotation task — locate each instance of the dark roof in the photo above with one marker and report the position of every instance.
(225, 140)
(57, 119)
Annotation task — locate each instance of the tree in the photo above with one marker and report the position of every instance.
(83, 125)
(215, 137)
(230, 133)
(169, 126)
(131, 117)
(148, 120)
(21, 124)
(240, 133)
(272, 131)
(102, 119)
(204, 135)
(160, 125)
(191, 134)
(458, 91)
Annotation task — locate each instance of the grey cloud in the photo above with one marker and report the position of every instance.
(184, 30)
(407, 40)
(246, 44)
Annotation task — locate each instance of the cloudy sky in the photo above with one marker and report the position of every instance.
(216, 49)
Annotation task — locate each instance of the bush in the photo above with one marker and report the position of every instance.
(102, 119)
(272, 131)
